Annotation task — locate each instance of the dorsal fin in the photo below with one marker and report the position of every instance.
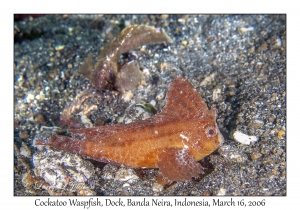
(183, 100)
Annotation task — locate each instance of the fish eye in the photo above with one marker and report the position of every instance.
(210, 131)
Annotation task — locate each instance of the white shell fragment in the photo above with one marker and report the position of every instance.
(221, 192)
(243, 29)
(243, 138)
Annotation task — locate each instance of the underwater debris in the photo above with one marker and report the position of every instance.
(147, 107)
(76, 107)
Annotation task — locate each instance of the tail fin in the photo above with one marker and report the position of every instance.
(65, 143)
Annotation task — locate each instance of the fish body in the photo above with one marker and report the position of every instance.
(174, 140)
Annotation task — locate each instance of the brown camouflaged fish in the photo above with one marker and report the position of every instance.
(184, 132)
(107, 72)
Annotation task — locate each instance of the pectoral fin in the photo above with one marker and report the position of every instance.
(177, 165)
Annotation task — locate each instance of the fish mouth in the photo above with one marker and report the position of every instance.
(220, 136)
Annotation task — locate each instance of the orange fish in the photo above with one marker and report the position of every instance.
(184, 132)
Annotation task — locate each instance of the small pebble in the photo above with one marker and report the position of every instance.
(153, 103)
(256, 124)
(280, 134)
(60, 47)
(39, 118)
(163, 17)
(40, 96)
(160, 96)
(30, 98)
(164, 66)
(255, 156)
(86, 192)
(206, 193)
(127, 96)
(263, 47)
(184, 42)
(252, 49)
(146, 72)
(216, 94)
(125, 174)
(207, 79)
(23, 134)
(157, 187)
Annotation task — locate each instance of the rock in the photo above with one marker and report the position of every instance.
(64, 172)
